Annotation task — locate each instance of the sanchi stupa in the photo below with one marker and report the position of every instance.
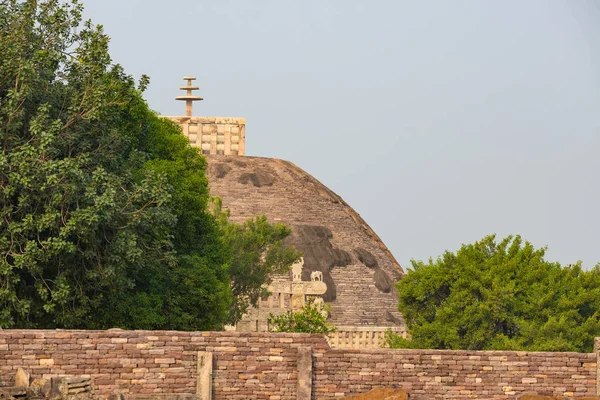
(345, 263)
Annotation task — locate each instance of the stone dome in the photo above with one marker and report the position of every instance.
(357, 267)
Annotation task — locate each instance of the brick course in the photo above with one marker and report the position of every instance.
(264, 365)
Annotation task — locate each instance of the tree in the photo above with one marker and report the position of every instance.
(75, 215)
(491, 295)
(104, 218)
(312, 318)
(192, 293)
(256, 252)
(102, 204)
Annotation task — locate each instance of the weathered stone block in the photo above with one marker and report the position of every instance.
(22, 378)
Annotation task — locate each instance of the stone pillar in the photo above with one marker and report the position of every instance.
(281, 300)
(213, 140)
(185, 127)
(304, 373)
(227, 141)
(204, 378)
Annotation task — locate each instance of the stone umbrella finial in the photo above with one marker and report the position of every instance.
(189, 98)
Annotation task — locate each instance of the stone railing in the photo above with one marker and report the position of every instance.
(215, 135)
(361, 337)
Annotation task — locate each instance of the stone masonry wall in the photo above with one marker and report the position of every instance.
(246, 366)
(443, 374)
(265, 365)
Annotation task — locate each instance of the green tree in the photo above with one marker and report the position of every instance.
(499, 295)
(102, 204)
(194, 293)
(312, 318)
(256, 252)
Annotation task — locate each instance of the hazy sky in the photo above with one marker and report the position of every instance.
(438, 121)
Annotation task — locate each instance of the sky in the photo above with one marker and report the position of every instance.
(439, 122)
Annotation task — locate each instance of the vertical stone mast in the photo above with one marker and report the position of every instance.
(214, 135)
(189, 98)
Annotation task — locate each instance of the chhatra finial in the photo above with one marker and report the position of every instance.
(189, 98)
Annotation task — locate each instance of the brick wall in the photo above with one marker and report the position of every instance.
(246, 365)
(442, 374)
(264, 365)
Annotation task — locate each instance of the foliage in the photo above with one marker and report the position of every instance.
(256, 252)
(491, 295)
(103, 204)
(395, 341)
(103, 209)
(312, 318)
(194, 293)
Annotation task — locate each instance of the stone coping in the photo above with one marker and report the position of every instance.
(208, 120)
(367, 328)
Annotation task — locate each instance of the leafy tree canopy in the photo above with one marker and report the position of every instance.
(499, 295)
(312, 318)
(256, 251)
(103, 205)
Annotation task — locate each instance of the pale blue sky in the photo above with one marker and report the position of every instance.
(438, 121)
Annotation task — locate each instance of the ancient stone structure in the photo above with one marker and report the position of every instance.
(355, 265)
(243, 365)
(286, 293)
(341, 252)
(49, 388)
(361, 337)
(214, 135)
(189, 98)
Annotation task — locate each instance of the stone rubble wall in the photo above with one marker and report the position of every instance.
(265, 365)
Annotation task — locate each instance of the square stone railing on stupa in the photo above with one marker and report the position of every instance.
(214, 135)
(362, 337)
